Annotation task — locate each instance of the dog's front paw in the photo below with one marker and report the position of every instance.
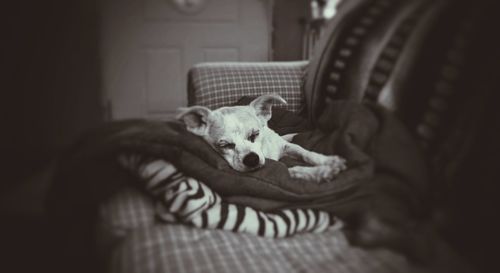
(331, 168)
(326, 173)
(318, 174)
(337, 163)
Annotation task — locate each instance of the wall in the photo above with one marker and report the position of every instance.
(288, 31)
(148, 46)
(51, 85)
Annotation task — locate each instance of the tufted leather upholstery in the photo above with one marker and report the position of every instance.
(408, 55)
(436, 65)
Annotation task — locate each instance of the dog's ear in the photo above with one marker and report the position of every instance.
(195, 118)
(264, 103)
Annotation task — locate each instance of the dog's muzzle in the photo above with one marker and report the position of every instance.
(251, 160)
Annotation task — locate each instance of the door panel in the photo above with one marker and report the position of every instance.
(149, 45)
(221, 54)
(162, 70)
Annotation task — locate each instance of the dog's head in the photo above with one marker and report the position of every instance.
(236, 132)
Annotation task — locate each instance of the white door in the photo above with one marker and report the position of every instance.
(149, 45)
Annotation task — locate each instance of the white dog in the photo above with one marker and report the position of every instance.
(240, 134)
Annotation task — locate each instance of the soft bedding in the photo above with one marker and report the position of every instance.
(183, 199)
(367, 137)
(385, 183)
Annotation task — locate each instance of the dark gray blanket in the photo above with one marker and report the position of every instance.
(386, 177)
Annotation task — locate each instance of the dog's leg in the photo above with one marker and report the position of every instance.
(325, 167)
(314, 158)
(317, 174)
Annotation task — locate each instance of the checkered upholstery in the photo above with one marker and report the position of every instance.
(127, 209)
(145, 245)
(220, 84)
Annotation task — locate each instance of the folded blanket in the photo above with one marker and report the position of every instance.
(386, 174)
(185, 200)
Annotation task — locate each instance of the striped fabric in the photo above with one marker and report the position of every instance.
(220, 84)
(182, 199)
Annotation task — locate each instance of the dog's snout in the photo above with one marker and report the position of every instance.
(251, 160)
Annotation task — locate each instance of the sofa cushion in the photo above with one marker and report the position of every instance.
(221, 84)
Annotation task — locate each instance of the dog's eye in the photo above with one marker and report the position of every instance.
(226, 145)
(253, 136)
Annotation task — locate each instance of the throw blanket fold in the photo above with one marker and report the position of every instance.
(185, 200)
(372, 141)
(386, 174)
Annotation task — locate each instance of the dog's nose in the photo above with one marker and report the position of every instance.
(251, 160)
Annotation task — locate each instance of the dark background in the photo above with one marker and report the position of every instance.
(52, 89)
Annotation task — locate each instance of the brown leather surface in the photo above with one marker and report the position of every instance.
(436, 65)
(411, 57)
(368, 46)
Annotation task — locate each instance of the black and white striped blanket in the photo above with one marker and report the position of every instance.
(182, 199)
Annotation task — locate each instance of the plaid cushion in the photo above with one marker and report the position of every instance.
(127, 209)
(220, 84)
(175, 248)
(143, 245)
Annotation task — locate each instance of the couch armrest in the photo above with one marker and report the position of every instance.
(220, 84)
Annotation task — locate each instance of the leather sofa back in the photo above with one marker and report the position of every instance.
(421, 59)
